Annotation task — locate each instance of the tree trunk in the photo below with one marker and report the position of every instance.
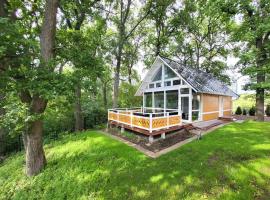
(104, 88)
(117, 76)
(260, 98)
(79, 122)
(35, 156)
(262, 57)
(130, 73)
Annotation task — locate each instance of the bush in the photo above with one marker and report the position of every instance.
(244, 111)
(238, 111)
(267, 111)
(58, 117)
(252, 111)
(95, 117)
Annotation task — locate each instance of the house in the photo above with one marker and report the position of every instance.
(174, 95)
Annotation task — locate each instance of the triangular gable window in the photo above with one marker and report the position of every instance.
(169, 73)
(158, 75)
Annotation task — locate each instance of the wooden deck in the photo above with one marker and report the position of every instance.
(147, 132)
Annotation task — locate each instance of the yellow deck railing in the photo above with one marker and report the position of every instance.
(149, 121)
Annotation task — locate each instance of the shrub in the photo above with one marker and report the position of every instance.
(252, 111)
(238, 111)
(244, 111)
(267, 111)
(95, 117)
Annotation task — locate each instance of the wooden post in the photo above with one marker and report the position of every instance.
(151, 120)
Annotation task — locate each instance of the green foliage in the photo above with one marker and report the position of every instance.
(14, 121)
(127, 98)
(267, 111)
(93, 166)
(58, 117)
(244, 111)
(238, 111)
(252, 111)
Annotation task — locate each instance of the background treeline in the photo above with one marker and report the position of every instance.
(64, 63)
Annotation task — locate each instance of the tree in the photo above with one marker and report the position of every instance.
(159, 28)
(252, 29)
(26, 77)
(244, 111)
(267, 111)
(75, 14)
(238, 111)
(252, 111)
(202, 41)
(124, 32)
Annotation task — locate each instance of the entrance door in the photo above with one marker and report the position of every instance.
(220, 106)
(185, 108)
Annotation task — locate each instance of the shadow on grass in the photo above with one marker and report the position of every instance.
(230, 163)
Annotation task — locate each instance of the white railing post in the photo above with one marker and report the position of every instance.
(131, 118)
(167, 120)
(151, 120)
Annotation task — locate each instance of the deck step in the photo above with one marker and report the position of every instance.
(226, 118)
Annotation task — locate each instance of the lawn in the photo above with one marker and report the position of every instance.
(232, 162)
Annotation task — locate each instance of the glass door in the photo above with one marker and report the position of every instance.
(185, 107)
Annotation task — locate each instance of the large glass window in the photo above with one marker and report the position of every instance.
(172, 99)
(158, 75)
(159, 99)
(169, 73)
(148, 99)
(195, 106)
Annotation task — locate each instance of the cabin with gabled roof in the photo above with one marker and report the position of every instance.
(175, 95)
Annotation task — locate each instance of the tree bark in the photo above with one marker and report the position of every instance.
(104, 88)
(35, 156)
(117, 75)
(79, 121)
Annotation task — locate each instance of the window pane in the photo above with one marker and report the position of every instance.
(184, 90)
(158, 85)
(158, 75)
(195, 102)
(148, 99)
(159, 100)
(172, 99)
(176, 82)
(169, 73)
(195, 115)
(152, 85)
(167, 83)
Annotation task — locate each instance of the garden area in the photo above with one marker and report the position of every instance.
(244, 107)
(231, 162)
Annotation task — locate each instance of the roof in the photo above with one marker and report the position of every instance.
(201, 81)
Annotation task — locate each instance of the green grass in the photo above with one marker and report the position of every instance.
(232, 162)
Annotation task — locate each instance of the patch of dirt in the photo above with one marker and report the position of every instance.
(158, 144)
